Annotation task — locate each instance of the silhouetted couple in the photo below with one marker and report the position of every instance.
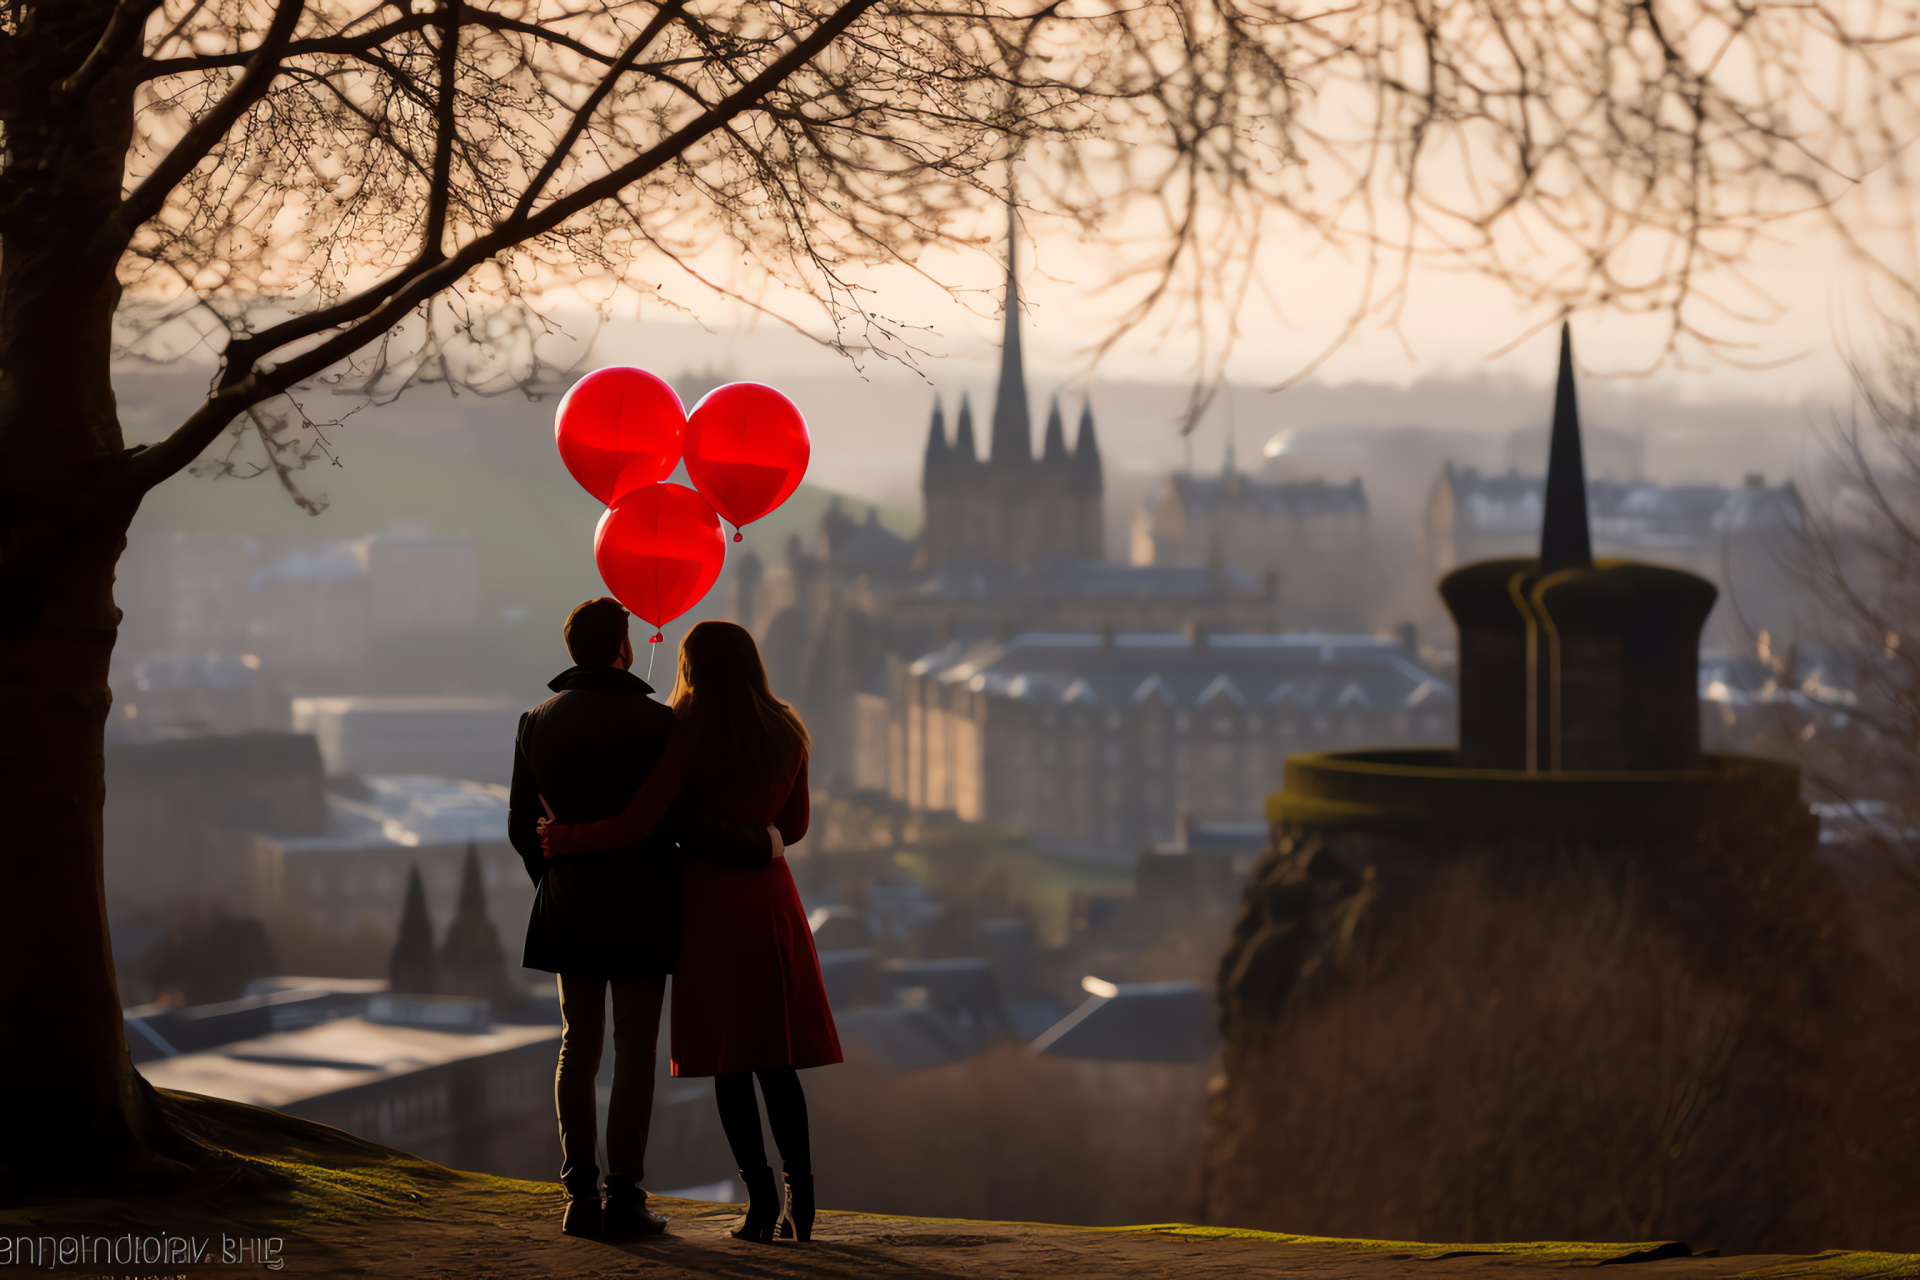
(662, 852)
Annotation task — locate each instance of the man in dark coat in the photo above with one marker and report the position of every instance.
(607, 920)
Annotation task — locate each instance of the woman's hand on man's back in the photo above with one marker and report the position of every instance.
(545, 827)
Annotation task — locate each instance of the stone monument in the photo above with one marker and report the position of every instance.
(1573, 980)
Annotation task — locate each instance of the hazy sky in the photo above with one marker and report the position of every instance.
(1437, 368)
(1794, 305)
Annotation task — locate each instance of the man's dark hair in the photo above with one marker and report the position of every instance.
(595, 631)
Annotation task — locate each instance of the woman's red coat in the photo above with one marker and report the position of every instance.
(747, 992)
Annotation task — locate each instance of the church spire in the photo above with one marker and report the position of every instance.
(1054, 452)
(935, 467)
(1012, 444)
(964, 450)
(1086, 452)
(1565, 542)
(1228, 462)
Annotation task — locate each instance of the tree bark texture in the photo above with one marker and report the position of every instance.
(76, 1109)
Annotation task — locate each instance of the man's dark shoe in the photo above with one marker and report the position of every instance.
(628, 1215)
(583, 1217)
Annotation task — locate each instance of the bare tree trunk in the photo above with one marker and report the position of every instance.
(76, 1109)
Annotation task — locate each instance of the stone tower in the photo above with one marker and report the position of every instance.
(1569, 664)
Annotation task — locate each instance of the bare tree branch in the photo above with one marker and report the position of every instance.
(122, 33)
(424, 279)
(1542, 145)
(446, 134)
(145, 200)
(564, 146)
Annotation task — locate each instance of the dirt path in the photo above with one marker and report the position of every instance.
(326, 1204)
(508, 1233)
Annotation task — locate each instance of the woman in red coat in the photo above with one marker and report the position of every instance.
(747, 996)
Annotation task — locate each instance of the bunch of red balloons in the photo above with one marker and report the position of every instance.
(659, 546)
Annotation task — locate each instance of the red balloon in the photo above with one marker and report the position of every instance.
(659, 549)
(619, 429)
(747, 449)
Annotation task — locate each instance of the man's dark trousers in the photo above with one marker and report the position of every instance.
(636, 1034)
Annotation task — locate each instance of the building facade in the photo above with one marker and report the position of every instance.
(178, 816)
(1735, 537)
(447, 736)
(833, 631)
(296, 601)
(476, 1098)
(1096, 745)
(1309, 537)
(348, 878)
(253, 826)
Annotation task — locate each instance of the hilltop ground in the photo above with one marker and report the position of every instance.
(344, 1207)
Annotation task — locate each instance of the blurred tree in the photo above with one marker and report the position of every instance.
(472, 961)
(374, 194)
(1850, 704)
(412, 969)
(206, 958)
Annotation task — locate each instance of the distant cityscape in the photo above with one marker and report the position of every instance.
(1043, 755)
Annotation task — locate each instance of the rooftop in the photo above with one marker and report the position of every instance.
(406, 811)
(1077, 580)
(863, 546)
(1203, 493)
(1304, 670)
(416, 704)
(291, 1067)
(1136, 1022)
(333, 561)
(1621, 511)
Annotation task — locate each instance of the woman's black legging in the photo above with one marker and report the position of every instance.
(786, 1115)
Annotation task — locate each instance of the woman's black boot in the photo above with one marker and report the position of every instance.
(796, 1220)
(763, 1205)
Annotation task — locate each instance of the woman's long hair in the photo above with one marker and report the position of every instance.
(742, 731)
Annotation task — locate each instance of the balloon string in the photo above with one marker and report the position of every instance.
(650, 652)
